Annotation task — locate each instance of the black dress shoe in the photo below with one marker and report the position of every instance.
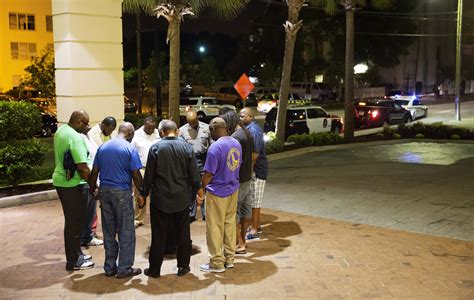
(113, 273)
(183, 271)
(148, 273)
(132, 272)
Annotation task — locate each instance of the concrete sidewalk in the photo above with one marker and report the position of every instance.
(298, 257)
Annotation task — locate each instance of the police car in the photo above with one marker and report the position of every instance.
(305, 119)
(414, 106)
(203, 106)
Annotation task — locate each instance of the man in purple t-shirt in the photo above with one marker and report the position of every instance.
(221, 184)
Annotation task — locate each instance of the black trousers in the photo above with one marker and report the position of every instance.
(161, 222)
(74, 203)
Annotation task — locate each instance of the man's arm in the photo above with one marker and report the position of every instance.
(138, 181)
(83, 170)
(206, 178)
(254, 159)
(93, 180)
(149, 173)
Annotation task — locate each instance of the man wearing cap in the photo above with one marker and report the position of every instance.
(220, 183)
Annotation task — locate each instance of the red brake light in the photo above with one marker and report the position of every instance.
(374, 114)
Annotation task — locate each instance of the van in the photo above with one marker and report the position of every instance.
(316, 92)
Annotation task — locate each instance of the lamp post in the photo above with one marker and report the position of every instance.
(457, 81)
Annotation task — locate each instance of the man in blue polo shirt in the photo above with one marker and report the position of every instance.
(117, 162)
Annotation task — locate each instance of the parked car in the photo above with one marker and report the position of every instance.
(268, 101)
(304, 119)
(129, 105)
(377, 112)
(416, 108)
(259, 92)
(204, 106)
(227, 95)
(49, 125)
(399, 95)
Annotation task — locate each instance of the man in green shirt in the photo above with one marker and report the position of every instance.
(72, 187)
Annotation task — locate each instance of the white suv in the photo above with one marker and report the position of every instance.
(204, 106)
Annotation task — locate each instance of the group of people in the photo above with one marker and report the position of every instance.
(220, 167)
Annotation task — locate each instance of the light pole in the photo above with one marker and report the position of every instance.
(457, 80)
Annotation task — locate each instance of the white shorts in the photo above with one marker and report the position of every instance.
(257, 186)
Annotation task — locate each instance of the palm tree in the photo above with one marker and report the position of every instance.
(291, 29)
(292, 26)
(174, 12)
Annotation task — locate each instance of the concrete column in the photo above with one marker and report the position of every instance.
(88, 58)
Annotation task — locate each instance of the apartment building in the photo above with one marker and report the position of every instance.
(26, 28)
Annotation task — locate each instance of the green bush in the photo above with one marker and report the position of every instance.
(434, 131)
(396, 136)
(274, 146)
(19, 159)
(388, 131)
(316, 139)
(380, 135)
(19, 120)
(419, 136)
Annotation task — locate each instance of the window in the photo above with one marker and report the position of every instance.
(21, 21)
(314, 113)
(49, 23)
(22, 50)
(296, 115)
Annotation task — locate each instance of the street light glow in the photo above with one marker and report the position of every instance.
(360, 68)
(202, 49)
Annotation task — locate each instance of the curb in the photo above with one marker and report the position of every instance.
(28, 198)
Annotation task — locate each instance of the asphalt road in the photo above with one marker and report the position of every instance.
(421, 187)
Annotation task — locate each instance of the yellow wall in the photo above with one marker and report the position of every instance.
(9, 66)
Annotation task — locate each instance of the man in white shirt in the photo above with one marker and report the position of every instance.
(103, 131)
(144, 138)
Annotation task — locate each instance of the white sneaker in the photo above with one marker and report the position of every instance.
(208, 268)
(138, 223)
(87, 264)
(95, 242)
(229, 266)
(87, 257)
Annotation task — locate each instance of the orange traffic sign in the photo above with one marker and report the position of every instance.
(243, 86)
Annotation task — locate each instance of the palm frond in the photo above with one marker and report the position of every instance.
(221, 9)
(329, 6)
(137, 6)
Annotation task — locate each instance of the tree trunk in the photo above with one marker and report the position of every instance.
(139, 65)
(174, 24)
(349, 77)
(291, 30)
(158, 75)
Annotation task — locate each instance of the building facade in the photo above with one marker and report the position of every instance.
(26, 29)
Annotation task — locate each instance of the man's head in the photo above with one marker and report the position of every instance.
(192, 119)
(218, 128)
(149, 125)
(108, 125)
(246, 115)
(79, 120)
(232, 120)
(127, 131)
(224, 110)
(167, 128)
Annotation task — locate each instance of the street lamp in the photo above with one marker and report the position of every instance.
(457, 81)
(202, 49)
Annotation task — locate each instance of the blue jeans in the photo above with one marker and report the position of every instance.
(117, 220)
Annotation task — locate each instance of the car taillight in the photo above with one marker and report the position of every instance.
(374, 114)
(274, 103)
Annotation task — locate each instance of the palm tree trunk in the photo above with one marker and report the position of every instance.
(139, 65)
(158, 75)
(291, 30)
(174, 24)
(349, 77)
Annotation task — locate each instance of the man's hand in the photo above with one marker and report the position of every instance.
(200, 196)
(141, 201)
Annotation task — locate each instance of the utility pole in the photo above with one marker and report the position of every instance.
(457, 81)
(139, 64)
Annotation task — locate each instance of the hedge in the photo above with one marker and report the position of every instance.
(19, 120)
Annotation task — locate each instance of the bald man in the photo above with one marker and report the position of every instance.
(196, 133)
(260, 170)
(117, 162)
(70, 177)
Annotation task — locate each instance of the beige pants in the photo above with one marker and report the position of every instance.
(140, 213)
(221, 228)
